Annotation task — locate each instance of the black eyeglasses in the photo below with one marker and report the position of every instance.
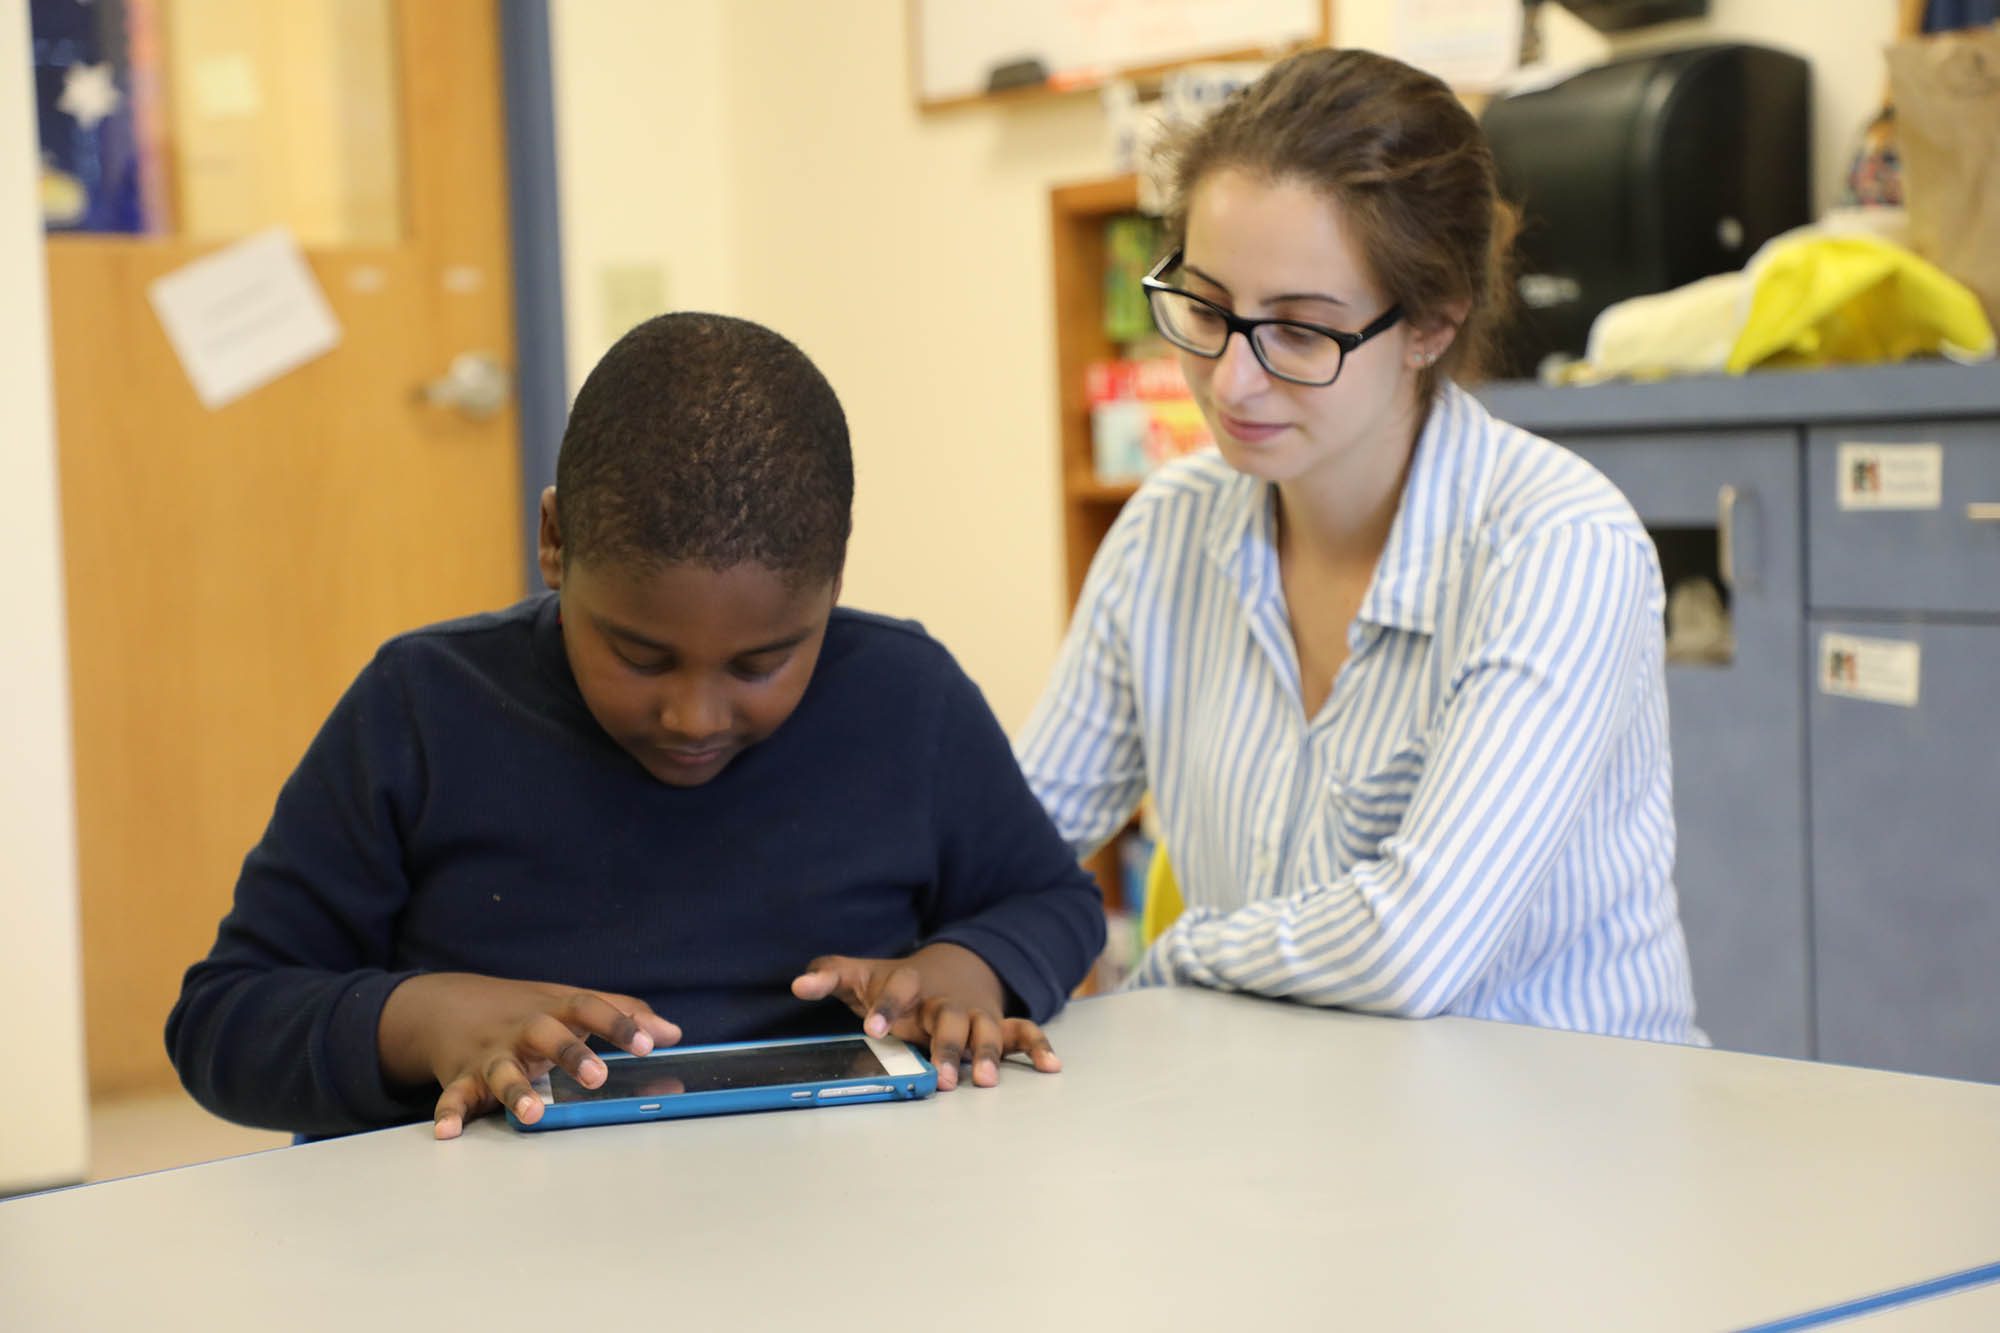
(1289, 349)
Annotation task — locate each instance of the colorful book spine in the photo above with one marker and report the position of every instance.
(1141, 415)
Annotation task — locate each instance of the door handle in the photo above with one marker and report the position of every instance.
(1983, 511)
(475, 385)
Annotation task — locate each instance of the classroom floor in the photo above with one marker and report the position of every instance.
(159, 1130)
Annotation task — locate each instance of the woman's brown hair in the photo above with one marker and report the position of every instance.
(1404, 161)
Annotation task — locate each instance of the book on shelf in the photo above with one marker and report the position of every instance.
(1131, 244)
(1141, 415)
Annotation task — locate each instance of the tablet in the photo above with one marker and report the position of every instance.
(738, 1076)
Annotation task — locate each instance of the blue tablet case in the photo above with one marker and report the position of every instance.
(730, 1101)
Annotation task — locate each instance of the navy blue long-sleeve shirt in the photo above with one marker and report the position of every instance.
(460, 810)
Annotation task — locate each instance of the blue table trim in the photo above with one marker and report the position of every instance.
(1916, 1291)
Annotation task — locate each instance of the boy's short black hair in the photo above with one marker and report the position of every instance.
(708, 440)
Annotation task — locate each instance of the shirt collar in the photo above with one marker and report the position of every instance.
(1446, 490)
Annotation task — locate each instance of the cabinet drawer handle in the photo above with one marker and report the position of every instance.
(1725, 535)
(1983, 511)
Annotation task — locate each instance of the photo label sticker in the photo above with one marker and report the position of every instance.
(1883, 671)
(1891, 476)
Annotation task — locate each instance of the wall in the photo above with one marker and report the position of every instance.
(644, 159)
(45, 1137)
(1843, 40)
(770, 157)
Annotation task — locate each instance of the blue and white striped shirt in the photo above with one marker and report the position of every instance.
(1479, 821)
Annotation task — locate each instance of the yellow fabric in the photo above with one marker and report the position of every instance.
(1688, 330)
(1163, 898)
(1818, 300)
(1812, 297)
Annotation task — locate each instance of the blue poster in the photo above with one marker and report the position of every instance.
(91, 161)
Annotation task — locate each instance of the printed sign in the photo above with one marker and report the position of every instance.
(1883, 671)
(1891, 476)
(244, 315)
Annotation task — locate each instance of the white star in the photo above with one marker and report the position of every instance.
(88, 94)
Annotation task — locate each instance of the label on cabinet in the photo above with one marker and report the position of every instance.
(1890, 476)
(1883, 671)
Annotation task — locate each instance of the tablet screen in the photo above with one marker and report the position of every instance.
(672, 1073)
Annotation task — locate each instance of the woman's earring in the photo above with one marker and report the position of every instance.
(1427, 359)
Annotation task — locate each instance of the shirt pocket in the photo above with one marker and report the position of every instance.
(1369, 809)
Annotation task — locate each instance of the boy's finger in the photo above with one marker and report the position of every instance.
(589, 1012)
(1029, 1038)
(581, 1063)
(455, 1106)
(509, 1085)
(833, 975)
(816, 983)
(986, 1050)
(902, 992)
(548, 1040)
(663, 1032)
(949, 1028)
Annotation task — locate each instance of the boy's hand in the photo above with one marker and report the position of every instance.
(943, 993)
(483, 1038)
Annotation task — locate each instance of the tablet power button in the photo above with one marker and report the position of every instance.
(828, 1094)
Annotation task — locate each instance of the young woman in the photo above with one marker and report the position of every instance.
(1391, 669)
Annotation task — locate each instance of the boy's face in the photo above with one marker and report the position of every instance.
(686, 667)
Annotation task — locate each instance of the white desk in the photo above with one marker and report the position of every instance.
(1207, 1161)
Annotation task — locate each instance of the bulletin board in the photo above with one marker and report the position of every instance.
(955, 45)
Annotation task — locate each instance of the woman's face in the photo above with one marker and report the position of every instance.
(1268, 249)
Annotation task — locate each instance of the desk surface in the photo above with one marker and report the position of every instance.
(1205, 1161)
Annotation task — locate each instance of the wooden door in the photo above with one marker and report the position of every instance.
(229, 571)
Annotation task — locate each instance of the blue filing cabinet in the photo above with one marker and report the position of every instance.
(1905, 793)
(1738, 727)
(1839, 857)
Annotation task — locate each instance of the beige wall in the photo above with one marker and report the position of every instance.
(767, 158)
(644, 159)
(770, 158)
(1843, 39)
(44, 1139)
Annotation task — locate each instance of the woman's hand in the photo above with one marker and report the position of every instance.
(484, 1038)
(944, 994)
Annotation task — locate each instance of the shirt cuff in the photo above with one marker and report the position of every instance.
(1176, 954)
(352, 1056)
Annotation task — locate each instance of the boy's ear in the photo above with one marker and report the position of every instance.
(549, 552)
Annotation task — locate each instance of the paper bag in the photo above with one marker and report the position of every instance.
(1946, 90)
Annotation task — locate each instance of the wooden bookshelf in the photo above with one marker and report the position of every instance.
(1077, 214)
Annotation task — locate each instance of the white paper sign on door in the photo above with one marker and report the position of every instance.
(244, 315)
(1891, 476)
(1883, 671)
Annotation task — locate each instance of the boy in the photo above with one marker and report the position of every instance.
(658, 790)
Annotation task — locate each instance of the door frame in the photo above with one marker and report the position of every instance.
(541, 373)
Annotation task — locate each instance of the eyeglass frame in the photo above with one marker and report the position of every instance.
(1234, 324)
